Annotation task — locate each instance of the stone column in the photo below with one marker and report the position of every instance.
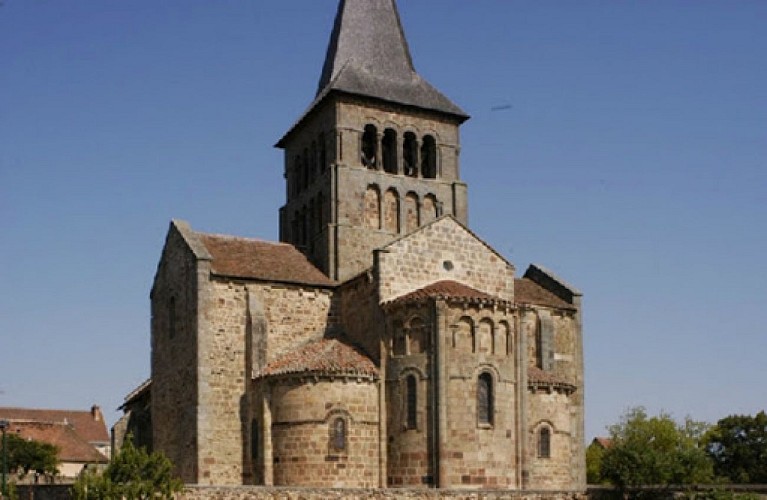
(379, 151)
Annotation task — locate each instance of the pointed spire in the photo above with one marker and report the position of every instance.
(369, 55)
(368, 35)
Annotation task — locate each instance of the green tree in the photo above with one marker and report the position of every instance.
(738, 446)
(594, 454)
(134, 474)
(25, 456)
(655, 451)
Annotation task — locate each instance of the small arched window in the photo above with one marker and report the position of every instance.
(389, 151)
(323, 153)
(411, 402)
(369, 146)
(485, 399)
(410, 154)
(338, 434)
(429, 158)
(297, 175)
(544, 442)
(306, 170)
(400, 339)
(314, 165)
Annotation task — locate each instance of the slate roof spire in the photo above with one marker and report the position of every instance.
(369, 55)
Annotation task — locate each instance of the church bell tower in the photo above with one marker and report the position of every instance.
(376, 154)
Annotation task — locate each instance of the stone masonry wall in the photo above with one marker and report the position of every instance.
(479, 454)
(305, 447)
(442, 250)
(558, 410)
(362, 318)
(410, 447)
(246, 493)
(245, 327)
(174, 355)
(550, 409)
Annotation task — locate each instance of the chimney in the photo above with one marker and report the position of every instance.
(96, 413)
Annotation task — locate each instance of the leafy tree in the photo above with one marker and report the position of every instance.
(738, 446)
(655, 451)
(134, 474)
(25, 456)
(594, 454)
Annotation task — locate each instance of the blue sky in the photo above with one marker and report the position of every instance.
(630, 158)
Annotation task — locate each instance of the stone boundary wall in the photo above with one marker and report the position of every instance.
(271, 493)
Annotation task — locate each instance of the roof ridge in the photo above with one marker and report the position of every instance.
(244, 238)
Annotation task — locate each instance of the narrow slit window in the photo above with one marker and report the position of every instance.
(411, 400)
(485, 399)
(544, 443)
(339, 434)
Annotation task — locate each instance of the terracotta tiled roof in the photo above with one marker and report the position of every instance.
(72, 447)
(527, 291)
(89, 425)
(263, 260)
(603, 442)
(328, 356)
(540, 378)
(446, 290)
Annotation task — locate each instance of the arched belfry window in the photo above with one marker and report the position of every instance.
(411, 402)
(172, 317)
(323, 153)
(485, 399)
(389, 151)
(410, 154)
(298, 175)
(429, 158)
(544, 442)
(338, 434)
(369, 146)
(306, 171)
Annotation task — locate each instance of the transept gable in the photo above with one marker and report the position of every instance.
(442, 250)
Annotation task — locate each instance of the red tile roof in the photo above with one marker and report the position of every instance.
(262, 260)
(89, 425)
(446, 290)
(71, 445)
(527, 291)
(327, 356)
(604, 442)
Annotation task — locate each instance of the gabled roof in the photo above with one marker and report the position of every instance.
(263, 260)
(71, 445)
(527, 291)
(369, 56)
(323, 357)
(89, 425)
(246, 258)
(449, 290)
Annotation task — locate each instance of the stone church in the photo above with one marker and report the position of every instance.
(380, 342)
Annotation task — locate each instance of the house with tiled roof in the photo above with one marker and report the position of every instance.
(81, 436)
(380, 342)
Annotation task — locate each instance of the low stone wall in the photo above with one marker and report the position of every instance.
(44, 492)
(267, 493)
